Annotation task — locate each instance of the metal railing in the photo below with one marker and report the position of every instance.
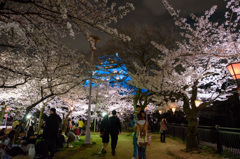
(224, 139)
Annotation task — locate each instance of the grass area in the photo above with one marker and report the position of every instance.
(79, 148)
(175, 149)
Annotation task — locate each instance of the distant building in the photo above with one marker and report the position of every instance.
(112, 70)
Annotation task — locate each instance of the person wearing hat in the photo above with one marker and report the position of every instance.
(114, 129)
(50, 133)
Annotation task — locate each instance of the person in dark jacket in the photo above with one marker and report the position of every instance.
(31, 138)
(114, 130)
(50, 133)
(60, 140)
(105, 129)
(3, 132)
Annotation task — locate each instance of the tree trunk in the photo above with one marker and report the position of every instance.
(40, 118)
(64, 122)
(2, 113)
(136, 98)
(192, 142)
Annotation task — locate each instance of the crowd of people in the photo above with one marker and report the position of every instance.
(32, 144)
(47, 141)
(111, 127)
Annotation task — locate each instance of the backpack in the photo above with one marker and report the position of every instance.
(142, 136)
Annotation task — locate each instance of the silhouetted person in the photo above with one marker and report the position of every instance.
(3, 132)
(60, 140)
(50, 133)
(105, 129)
(115, 128)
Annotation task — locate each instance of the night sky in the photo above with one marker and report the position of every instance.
(153, 12)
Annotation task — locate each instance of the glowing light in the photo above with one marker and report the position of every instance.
(29, 116)
(234, 69)
(146, 108)
(197, 103)
(173, 109)
(104, 113)
(160, 111)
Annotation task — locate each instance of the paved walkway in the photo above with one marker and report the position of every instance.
(172, 149)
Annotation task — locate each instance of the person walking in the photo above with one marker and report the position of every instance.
(104, 131)
(50, 133)
(115, 129)
(134, 133)
(141, 129)
(163, 128)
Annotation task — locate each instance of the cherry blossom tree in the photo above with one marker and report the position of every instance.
(33, 34)
(52, 73)
(196, 69)
(104, 99)
(31, 26)
(140, 51)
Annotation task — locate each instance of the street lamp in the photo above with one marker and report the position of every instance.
(234, 69)
(197, 103)
(160, 111)
(173, 109)
(7, 109)
(29, 116)
(93, 41)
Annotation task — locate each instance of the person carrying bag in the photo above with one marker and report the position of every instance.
(141, 129)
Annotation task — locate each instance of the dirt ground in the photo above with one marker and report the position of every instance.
(172, 149)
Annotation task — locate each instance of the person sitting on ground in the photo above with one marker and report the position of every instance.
(3, 135)
(76, 131)
(71, 137)
(3, 132)
(84, 131)
(31, 137)
(60, 140)
(30, 132)
(9, 140)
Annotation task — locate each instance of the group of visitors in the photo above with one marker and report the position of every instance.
(51, 138)
(42, 145)
(110, 126)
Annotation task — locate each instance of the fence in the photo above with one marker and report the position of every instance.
(222, 138)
